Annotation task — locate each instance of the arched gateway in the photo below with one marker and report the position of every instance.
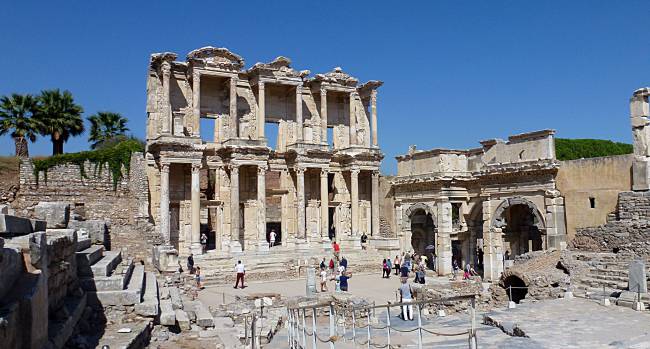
(522, 226)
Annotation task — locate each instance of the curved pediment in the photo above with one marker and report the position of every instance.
(279, 67)
(337, 76)
(219, 57)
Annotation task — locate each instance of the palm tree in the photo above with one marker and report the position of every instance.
(60, 117)
(105, 126)
(16, 116)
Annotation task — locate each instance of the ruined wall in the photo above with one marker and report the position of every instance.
(601, 179)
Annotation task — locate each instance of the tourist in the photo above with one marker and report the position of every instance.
(323, 279)
(272, 237)
(241, 271)
(331, 265)
(337, 283)
(343, 281)
(404, 272)
(344, 262)
(322, 263)
(419, 274)
(204, 242)
(396, 265)
(407, 260)
(190, 264)
(341, 269)
(337, 250)
(506, 256)
(455, 267)
(389, 267)
(198, 277)
(384, 266)
(466, 273)
(406, 296)
(472, 272)
(364, 241)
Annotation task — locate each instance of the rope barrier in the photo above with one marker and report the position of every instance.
(445, 334)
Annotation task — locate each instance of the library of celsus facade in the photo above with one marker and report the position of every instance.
(474, 205)
(213, 168)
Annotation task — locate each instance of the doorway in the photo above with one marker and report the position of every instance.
(277, 227)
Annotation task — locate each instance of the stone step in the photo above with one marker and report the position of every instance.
(608, 277)
(116, 282)
(150, 302)
(60, 331)
(86, 258)
(130, 296)
(599, 283)
(106, 265)
(201, 313)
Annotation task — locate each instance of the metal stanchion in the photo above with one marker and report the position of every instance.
(332, 324)
(289, 328)
(368, 314)
(304, 333)
(344, 330)
(419, 327)
(388, 324)
(354, 327)
(313, 324)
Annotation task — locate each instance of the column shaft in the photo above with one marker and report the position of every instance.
(300, 176)
(354, 204)
(261, 206)
(196, 103)
(196, 208)
(164, 202)
(167, 119)
(233, 107)
(299, 112)
(261, 109)
(375, 203)
(324, 204)
(235, 244)
(443, 238)
(373, 107)
(353, 119)
(323, 114)
(217, 183)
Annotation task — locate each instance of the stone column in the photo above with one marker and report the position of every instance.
(233, 107)
(235, 244)
(492, 244)
(443, 237)
(300, 176)
(167, 117)
(299, 112)
(323, 114)
(375, 204)
(261, 109)
(196, 209)
(640, 122)
(164, 202)
(196, 102)
(217, 183)
(555, 223)
(373, 111)
(353, 119)
(261, 207)
(354, 201)
(324, 204)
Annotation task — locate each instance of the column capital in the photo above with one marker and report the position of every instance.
(299, 169)
(323, 91)
(233, 80)
(260, 85)
(299, 88)
(373, 96)
(375, 174)
(164, 167)
(324, 172)
(196, 75)
(261, 170)
(166, 68)
(196, 167)
(234, 168)
(353, 93)
(355, 171)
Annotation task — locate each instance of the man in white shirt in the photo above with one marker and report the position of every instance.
(240, 270)
(272, 238)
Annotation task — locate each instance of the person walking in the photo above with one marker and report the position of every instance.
(455, 267)
(389, 268)
(190, 263)
(197, 276)
(204, 242)
(397, 266)
(241, 271)
(323, 278)
(322, 264)
(343, 281)
(406, 296)
(364, 241)
(404, 272)
(272, 237)
(383, 268)
(344, 262)
(331, 265)
(337, 250)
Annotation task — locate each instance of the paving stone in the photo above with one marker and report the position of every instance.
(182, 319)
(175, 295)
(167, 313)
(150, 302)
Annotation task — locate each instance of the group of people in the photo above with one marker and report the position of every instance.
(336, 270)
(405, 264)
(468, 272)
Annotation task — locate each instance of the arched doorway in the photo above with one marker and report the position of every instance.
(423, 234)
(475, 232)
(522, 226)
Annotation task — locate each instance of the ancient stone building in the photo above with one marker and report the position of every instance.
(320, 181)
(474, 205)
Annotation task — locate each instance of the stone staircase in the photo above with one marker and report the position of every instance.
(110, 280)
(607, 272)
(281, 262)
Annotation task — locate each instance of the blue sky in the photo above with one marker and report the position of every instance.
(455, 72)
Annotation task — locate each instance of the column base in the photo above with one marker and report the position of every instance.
(196, 249)
(263, 246)
(165, 258)
(302, 245)
(326, 244)
(351, 242)
(235, 246)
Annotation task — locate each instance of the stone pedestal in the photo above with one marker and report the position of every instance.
(165, 258)
(263, 246)
(641, 174)
(235, 246)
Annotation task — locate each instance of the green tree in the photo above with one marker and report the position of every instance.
(17, 117)
(105, 126)
(60, 117)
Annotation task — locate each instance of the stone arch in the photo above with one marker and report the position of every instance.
(416, 207)
(498, 219)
